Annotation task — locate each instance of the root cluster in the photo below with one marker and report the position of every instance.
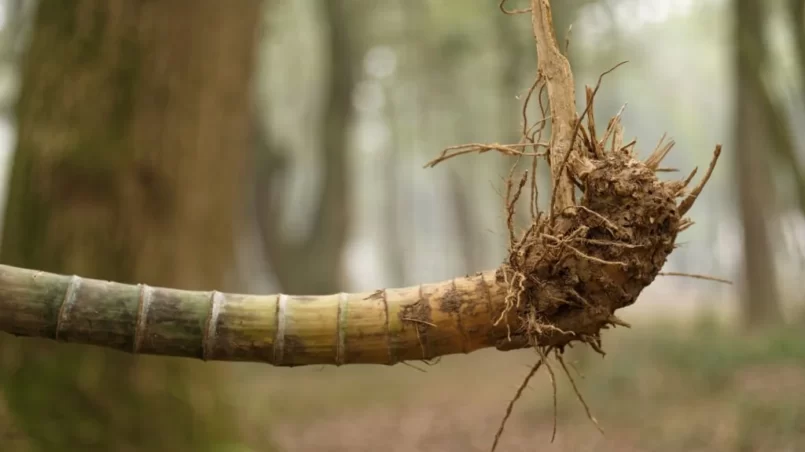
(575, 265)
(579, 262)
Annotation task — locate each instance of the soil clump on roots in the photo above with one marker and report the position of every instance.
(570, 272)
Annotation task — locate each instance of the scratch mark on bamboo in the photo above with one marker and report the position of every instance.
(341, 344)
(209, 338)
(146, 292)
(67, 302)
(279, 339)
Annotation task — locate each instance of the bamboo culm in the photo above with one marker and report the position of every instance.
(382, 327)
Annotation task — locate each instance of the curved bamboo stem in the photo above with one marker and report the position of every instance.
(382, 327)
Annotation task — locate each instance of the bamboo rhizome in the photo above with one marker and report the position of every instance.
(563, 280)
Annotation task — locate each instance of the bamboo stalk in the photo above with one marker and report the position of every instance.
(382, 327)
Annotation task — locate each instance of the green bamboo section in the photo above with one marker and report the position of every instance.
(382, 327)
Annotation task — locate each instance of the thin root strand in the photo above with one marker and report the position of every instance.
(516, 397)
(695, 276)
(578, 393)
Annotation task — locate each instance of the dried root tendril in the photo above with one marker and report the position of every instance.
(480, 148)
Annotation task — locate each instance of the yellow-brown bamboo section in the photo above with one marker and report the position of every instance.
(380, 327)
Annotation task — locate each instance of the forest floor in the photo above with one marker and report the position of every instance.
(694, 385)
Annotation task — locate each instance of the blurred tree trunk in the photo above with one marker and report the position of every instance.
(132, 144)
(753, 137)
(407, 121)
(468, 231)
(395, 170)
(313, 265)
(796, 10)
(515, 50)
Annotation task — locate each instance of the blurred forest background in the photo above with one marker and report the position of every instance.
(264, 146)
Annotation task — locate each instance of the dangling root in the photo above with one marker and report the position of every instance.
(578, 394)
(514, 400)
(544, 358)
